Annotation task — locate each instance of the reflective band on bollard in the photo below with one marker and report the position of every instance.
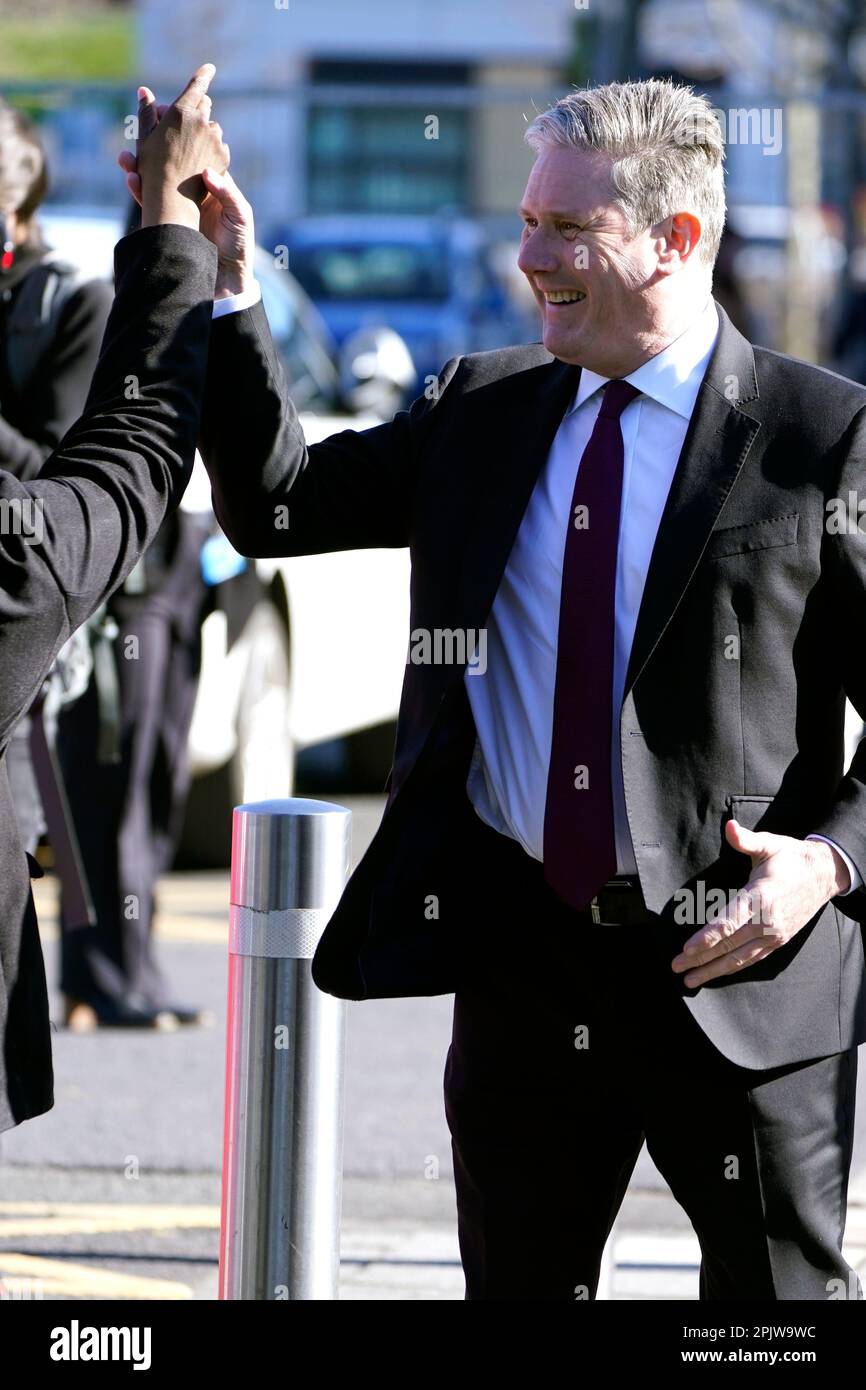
(285, 1056)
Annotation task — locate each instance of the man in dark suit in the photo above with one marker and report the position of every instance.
(69, 536)
(618, 826)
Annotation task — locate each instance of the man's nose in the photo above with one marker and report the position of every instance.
(536, 254)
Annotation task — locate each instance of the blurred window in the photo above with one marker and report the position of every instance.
(376, 157)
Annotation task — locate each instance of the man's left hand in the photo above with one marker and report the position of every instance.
(791, 880)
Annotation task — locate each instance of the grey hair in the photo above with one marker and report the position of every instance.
(666, 147)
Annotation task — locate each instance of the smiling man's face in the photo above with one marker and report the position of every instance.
(593, 283)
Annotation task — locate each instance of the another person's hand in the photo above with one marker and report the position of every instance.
(225, 216)
(175, 143)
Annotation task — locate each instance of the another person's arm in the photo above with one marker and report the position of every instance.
(70, 537)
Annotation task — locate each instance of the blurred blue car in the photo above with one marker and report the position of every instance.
(430, 279)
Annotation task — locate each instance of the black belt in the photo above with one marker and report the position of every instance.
(618, 904)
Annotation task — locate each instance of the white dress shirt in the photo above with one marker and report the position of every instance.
(233, 303)
(511, 696)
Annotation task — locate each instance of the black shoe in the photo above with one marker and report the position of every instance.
(188, 1015)
(85, 1015)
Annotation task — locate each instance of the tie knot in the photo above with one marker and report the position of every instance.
(616, 397)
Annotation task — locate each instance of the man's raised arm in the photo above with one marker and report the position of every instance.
(272, 493)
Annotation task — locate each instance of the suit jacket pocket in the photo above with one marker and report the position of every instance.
(755, 535)
(747, 810)
(782, 814)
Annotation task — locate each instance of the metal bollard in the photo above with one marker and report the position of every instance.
(285, 1056)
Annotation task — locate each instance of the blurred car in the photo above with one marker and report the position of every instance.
(290, 656)
(430, 279)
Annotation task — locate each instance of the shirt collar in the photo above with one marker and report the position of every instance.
(673, 377)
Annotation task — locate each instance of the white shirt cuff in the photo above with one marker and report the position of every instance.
(856, 880)
(232, 303)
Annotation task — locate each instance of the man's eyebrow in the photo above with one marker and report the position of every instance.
(562, 216)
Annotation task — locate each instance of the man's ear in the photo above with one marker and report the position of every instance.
(678, 238)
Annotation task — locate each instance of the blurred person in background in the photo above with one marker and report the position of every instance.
(727, 290)
(849, 343)
(122, 742)
(51, 326)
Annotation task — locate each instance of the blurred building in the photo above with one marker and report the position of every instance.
(397, 105)
(410, 107)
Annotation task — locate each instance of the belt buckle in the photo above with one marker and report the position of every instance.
(595, 906)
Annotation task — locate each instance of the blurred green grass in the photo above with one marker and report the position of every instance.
(96, 48)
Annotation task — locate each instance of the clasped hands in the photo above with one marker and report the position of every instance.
(179, 173)
(791, 880)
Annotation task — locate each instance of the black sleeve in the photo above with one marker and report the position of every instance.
(70, 537)
(55, 397)
(844, 562)
(274, 495)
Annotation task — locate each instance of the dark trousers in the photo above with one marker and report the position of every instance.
(25, 793)
(129, 814)
(572, 1048)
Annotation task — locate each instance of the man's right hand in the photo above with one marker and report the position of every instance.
(173, 148)
(227, 221)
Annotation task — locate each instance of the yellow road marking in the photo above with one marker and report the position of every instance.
(67, 1280)
(92, 1218)
(176, 927)
(207, 926)
(29, 1275)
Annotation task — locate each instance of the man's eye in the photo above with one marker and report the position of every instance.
(569, 229)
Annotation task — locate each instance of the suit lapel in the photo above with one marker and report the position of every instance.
(715, 448)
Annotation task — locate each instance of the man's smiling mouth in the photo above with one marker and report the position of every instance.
(563, 296)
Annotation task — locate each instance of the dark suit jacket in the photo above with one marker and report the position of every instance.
(103, 495)
(35, 416)
(742, 551)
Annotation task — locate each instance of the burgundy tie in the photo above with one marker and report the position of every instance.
(579, 844)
